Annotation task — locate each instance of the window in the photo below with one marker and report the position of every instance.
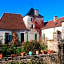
(36, 37)
(32, 26)
(58, 32)
(30, 19)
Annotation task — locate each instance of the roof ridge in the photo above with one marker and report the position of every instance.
(56, 19)
(12, 13)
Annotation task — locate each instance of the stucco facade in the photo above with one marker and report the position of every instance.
(33, 20)
(3, 37)
(52, 33)
(48, 35)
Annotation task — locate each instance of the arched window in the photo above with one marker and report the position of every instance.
(58, 32)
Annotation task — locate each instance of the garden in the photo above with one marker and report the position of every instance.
(24, 49)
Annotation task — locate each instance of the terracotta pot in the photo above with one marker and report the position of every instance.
(23, 54)
(1, 55)
(42, 51)
(49, 52)
(52, 51)
(37, 52)
(13, 55)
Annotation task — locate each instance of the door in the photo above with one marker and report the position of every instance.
(22, 37)
(36, 37)
(6, 38)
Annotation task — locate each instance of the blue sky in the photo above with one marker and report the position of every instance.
(47, 8)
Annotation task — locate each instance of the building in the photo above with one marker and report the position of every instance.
(12, 29)
(33, 20)
(52, 33)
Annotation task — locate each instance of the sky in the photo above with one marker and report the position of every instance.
(47, 8)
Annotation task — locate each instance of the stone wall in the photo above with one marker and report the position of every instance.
(41, 59)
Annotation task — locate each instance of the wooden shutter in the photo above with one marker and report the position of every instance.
(26, 37)
(10, 37)
(37, 37)
(19, 37)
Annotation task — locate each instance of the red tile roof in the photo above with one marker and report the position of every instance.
(12, 22)
(52, 24)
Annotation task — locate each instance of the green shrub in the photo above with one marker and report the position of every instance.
(44, 47)
(32, 62)
(18, 50)
(17, 62)
(31, 46)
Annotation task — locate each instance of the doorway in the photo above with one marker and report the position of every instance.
(6, 38)
(36, 37)
(22, 37)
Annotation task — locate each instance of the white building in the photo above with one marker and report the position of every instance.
(52, 33)
(33, 20)
(10, 23)
(13, 24)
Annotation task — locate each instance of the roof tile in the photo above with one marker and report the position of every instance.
(52, 24)
(12, 22)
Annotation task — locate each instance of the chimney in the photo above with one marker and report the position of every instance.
(36, 12)
(55, 18)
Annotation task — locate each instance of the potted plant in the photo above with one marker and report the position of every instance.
(43, 48)
(1, 55)
(13, 51)
(42, 51)
(37, 52)
(30, 52)
(23, 54)
(50, 51)
(13, 55)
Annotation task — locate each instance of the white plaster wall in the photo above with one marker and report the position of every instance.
(2, 33)
(27, 21)
(30, 36)
(49, 32)
(49, 36)
(62, 30)
(2, 36)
